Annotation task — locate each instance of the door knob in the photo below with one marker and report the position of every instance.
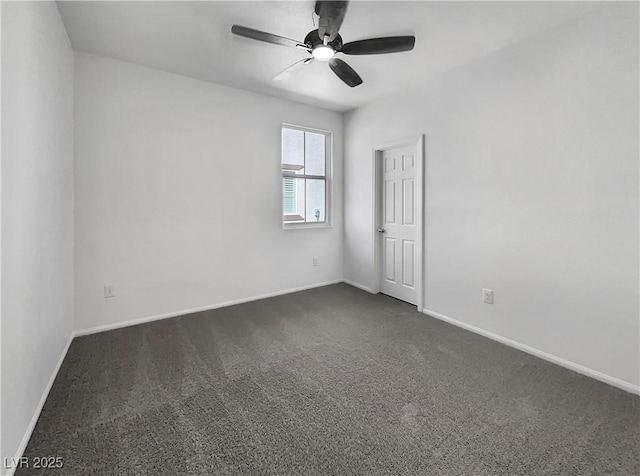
(381, 230)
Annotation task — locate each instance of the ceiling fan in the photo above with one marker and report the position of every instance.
(325, 42)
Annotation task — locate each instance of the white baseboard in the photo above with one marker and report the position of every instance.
(359, 286)
(36, 414)
(616, 382)
(157, 317)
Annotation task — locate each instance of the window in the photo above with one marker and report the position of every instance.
(305, 173)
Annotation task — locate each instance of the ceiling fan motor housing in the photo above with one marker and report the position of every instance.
(313, 40)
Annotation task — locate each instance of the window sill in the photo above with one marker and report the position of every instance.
(293, 218)
(301, 226)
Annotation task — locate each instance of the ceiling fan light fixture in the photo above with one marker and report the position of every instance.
(324, 42)
(323, 53)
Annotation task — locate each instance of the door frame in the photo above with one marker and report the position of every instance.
(419, 143)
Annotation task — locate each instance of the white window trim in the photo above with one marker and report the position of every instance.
(328, 174)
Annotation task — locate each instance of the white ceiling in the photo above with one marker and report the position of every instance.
(194, 39)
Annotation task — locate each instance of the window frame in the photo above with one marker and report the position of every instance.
(327, 177)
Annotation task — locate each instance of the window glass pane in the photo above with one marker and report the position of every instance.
(292, 151)
(288, 195)
(315, 200)
(314, 153)
(293, 197)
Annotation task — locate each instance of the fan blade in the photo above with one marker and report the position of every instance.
(376, 46)
(264, 36)
(288, 72)
(345, 72)
(331, 14)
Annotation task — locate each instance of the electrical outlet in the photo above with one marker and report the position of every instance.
(315, 261)
(109, 290)
(487, 296)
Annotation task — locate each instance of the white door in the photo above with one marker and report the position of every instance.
(398, 228)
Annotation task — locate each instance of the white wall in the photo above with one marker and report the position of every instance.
(37, 210)
(178, 195)
(531, 190)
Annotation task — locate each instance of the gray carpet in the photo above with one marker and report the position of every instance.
(327, 381)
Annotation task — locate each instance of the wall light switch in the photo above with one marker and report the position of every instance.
(315, 261)
(487, 296)
(109, 290)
